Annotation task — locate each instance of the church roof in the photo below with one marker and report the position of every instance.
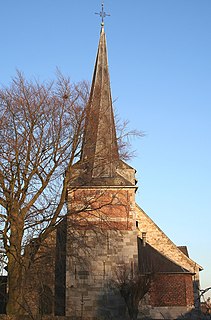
(157, 239)
(151, 260)
(99, 147)
(100, 163)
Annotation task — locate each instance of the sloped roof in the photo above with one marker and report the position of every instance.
(100, 164)
(152, 261)
(161, 242)
(99, 149)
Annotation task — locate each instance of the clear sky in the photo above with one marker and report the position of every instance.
(160, 69)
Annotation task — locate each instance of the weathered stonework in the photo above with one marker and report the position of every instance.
(89, 287)
(39, 289)
(111, 243)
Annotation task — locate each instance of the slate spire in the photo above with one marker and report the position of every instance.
(99, 149)
(100, 164)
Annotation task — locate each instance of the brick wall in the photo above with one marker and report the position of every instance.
(109, 208)
(172, 290)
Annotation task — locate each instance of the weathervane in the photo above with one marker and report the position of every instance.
(103, 14)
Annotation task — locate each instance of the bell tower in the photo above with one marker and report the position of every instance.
(101, 203)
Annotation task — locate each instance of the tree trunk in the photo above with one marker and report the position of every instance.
(15, 265)
(14, 303)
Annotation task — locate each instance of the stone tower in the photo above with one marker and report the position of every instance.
(107, 231)
(101, 200)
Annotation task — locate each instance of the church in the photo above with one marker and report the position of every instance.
(111, 260)
(118, 239)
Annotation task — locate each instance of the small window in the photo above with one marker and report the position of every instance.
(83, 274)
(136, 224)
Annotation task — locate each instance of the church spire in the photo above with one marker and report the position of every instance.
(99, 149)
(100, 164)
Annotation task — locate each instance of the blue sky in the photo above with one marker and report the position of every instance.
(160, 69)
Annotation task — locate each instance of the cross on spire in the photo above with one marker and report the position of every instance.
(103, 14)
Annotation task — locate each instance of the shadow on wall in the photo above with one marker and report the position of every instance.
(195, 315)
(107, 306)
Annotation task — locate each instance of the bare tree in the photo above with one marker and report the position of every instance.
(41, 127)
(40, 136)
(132, 286)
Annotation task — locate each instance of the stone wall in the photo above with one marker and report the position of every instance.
(40, 280)
(89, 278)
(108, 241)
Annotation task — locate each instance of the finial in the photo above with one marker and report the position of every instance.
(103, 14)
